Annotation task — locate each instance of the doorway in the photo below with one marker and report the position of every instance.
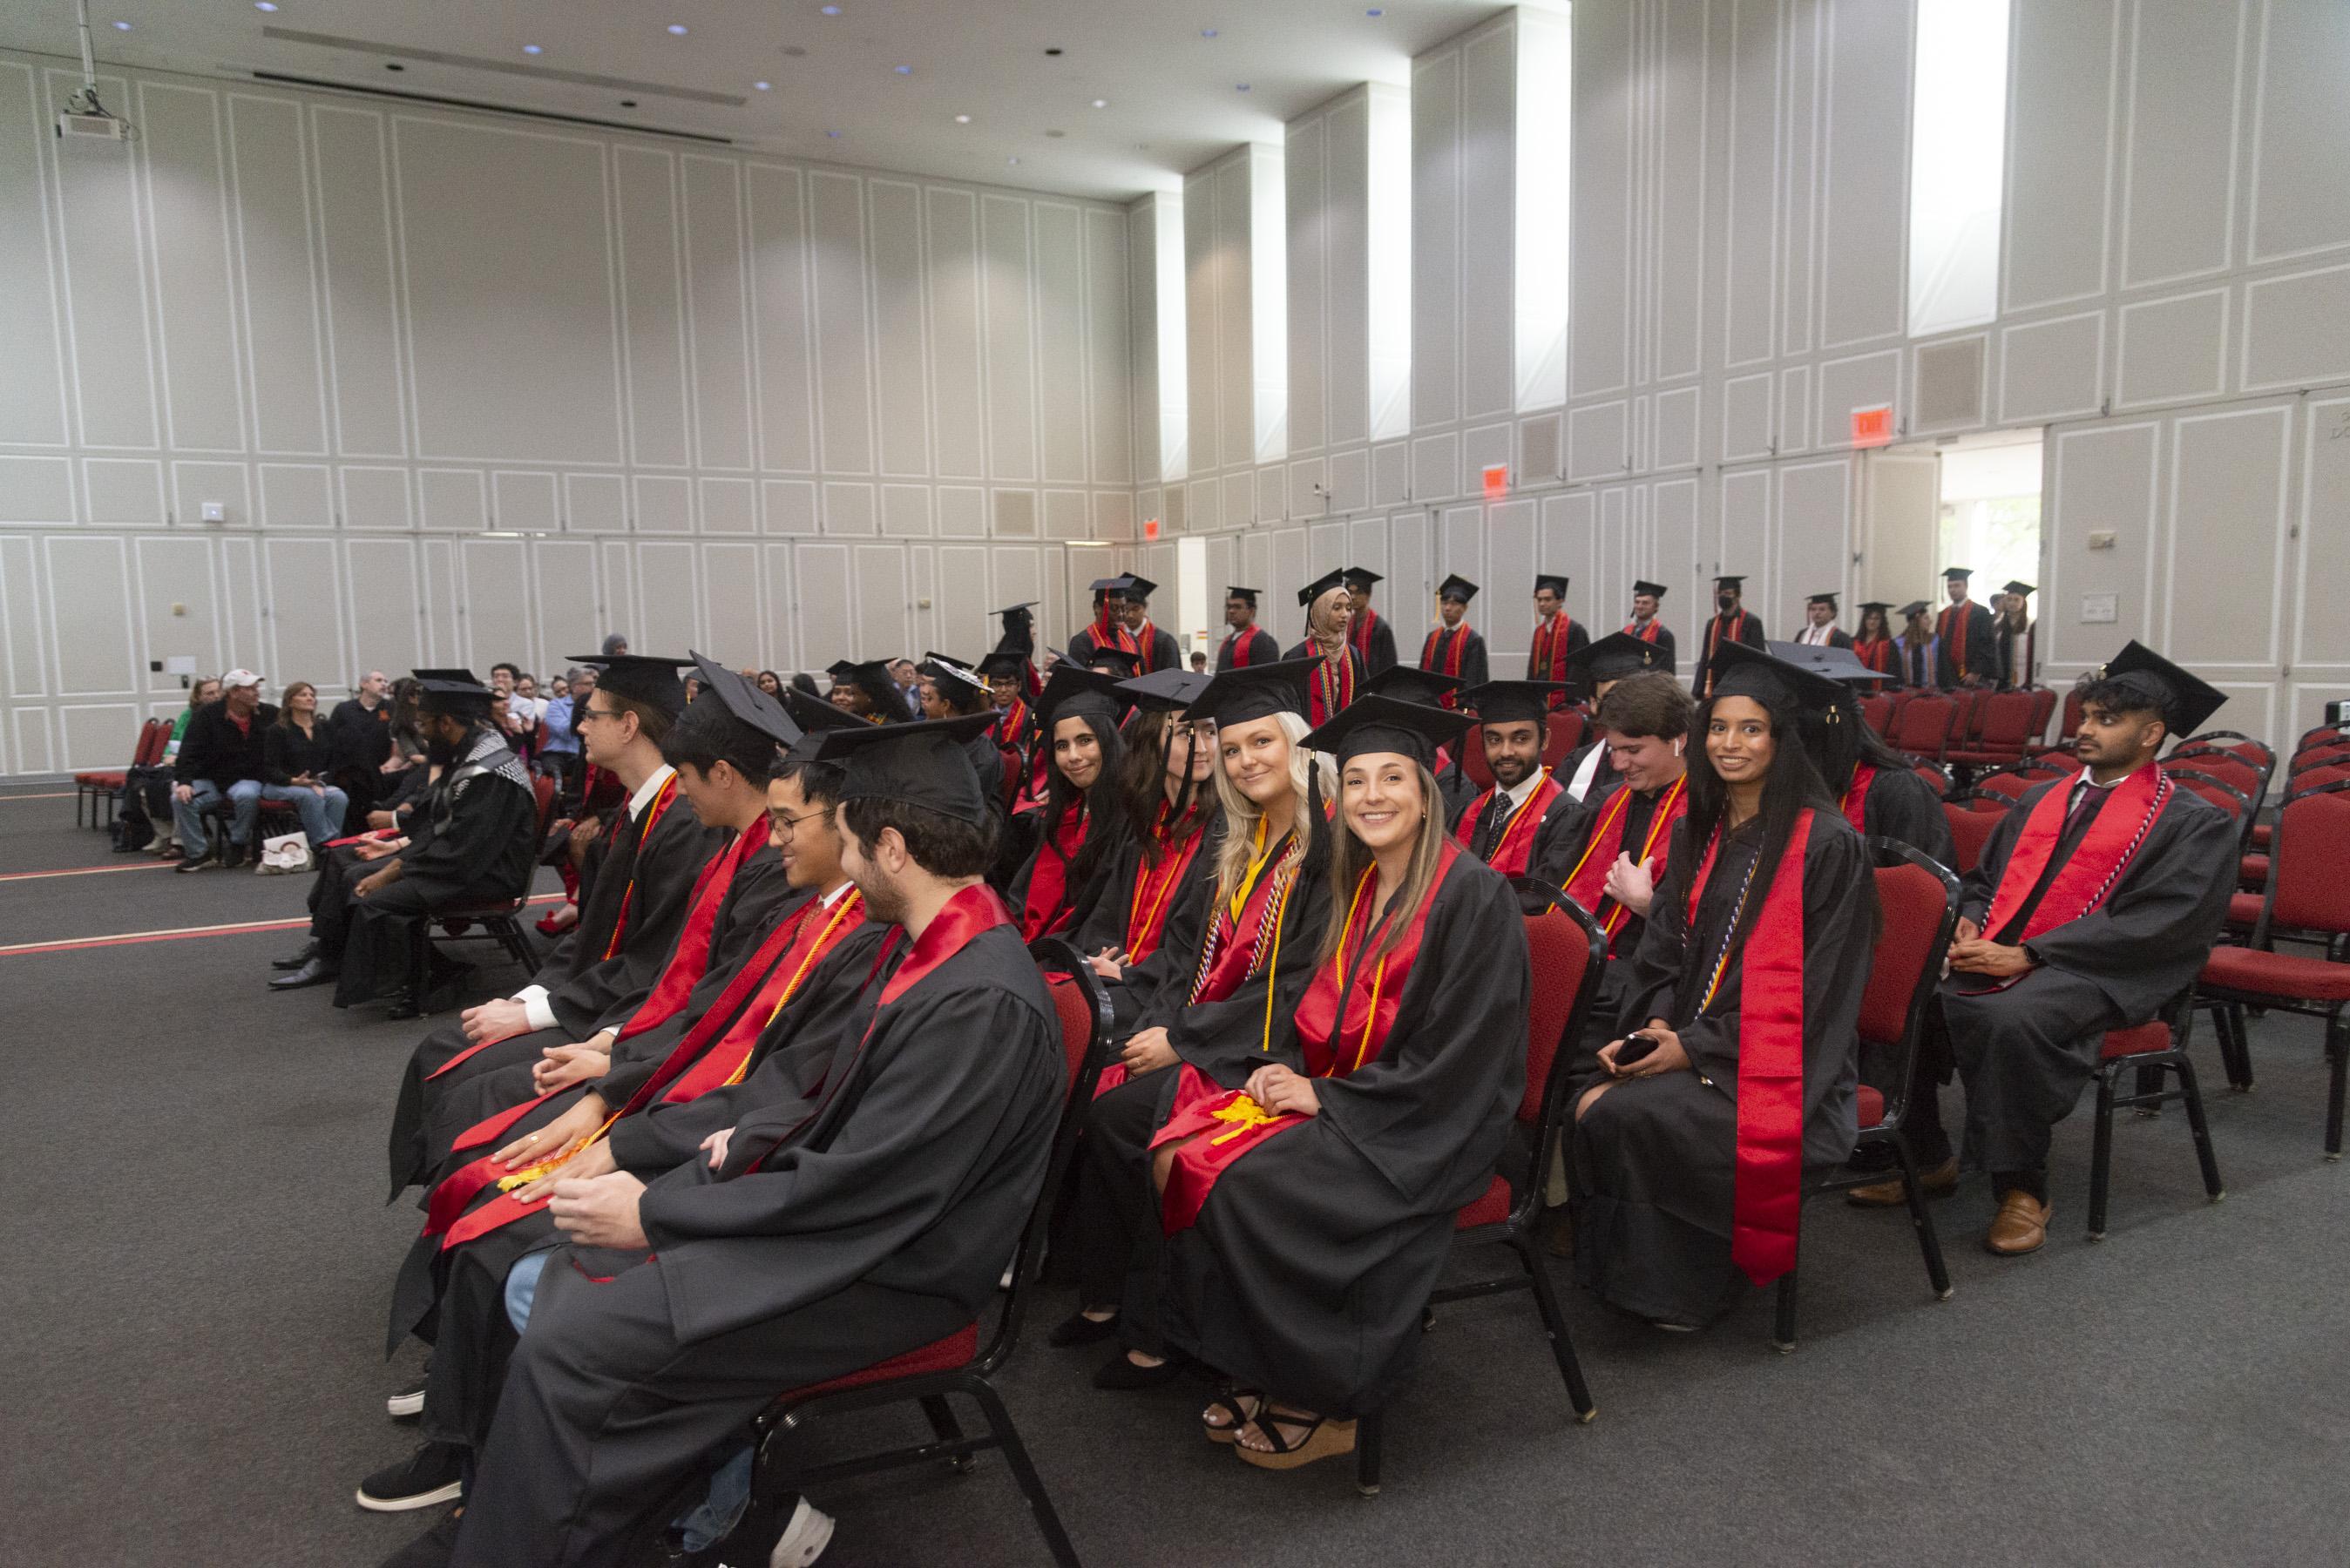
(1971, 501)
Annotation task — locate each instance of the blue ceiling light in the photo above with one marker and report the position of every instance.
(532, 49)
(833, 134)
(903, 70)
(265, 4)
(830, 10)
(1207, 32)
(1374, 11)
(765, 86)
(677, 29)
(1240, 86)
(123, 27)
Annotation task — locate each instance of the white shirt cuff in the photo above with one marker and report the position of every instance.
(535, 1006)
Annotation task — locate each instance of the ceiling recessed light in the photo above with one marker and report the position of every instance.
(903, 70)
(1207, 32)
(1054, 50)
(533, 49)
(677, 29)
(1240, 86)
(628, 103)
(765, 86)
(830, 10)
(123, 27)
(1056, 135)
(1101, 103)
(963, 119)
(1374, 11)
(1013, 159)
(265, 4)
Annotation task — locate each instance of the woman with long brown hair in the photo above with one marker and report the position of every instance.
(298, 762)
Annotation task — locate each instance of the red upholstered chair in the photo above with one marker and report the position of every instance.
(2260, 753)
(2308, 895)
(2001, 730)
(1920, 903)
(2072, 729)
(1471, 751)
(1935, 777)
(104, 784)
(1561, 735)
(2017, 779)
(2148, 1052)
(1568, 953)
(2044, 707)
(2221, 793)
(1877, 712)
(1974, 818)
(960, 1364)
(1923, 726)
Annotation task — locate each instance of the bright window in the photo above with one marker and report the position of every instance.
(1958, 145)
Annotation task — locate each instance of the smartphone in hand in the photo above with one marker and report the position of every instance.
(1637, 1046)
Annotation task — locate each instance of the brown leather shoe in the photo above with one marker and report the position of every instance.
(1558, 1233)
(1939, 1182)
(2020, 1225)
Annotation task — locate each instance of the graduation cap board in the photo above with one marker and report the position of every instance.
(1831, 663)
(1553, 581)
(1376, 723)
(1736, 584)
(452, 691)
(1614, 656)
(746, 703)
(1827, 599)
(1320, 586)
(1649, 590)
(958, 683)
(1139, 589)
(1258, 692)
(1456, 588)
(458, 677)
(921, 764)
(1073, 692)
(2027, 589)
(1116, 584)
(1121, 663)
(1249, 594)
(1007, 664)
(1022, 608)
(2186, 699)
(640, 677)
(1165, 691)
(1915, 606)
(1960, 573)
(813, 714)
(1362, 579)
(1741, 670)
(1869, 604)
(1411, 683)
(1510, 701)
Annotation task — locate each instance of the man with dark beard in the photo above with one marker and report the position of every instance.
(1527, 824)
(474, 839)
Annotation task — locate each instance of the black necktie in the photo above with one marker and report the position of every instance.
(1488, 832)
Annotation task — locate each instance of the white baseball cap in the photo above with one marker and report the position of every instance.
(236, 677)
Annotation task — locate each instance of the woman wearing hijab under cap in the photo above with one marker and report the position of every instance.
(1308, 1213)
(1329, 619)
(1738, 1068)
(1083, 820)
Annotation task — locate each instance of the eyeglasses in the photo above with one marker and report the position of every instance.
(791, 823)
(588, 713)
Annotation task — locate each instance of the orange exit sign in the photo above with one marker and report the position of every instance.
(1497, 480)
(1150, 527)
(1873, 427)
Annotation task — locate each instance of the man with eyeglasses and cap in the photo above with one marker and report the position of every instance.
(2096, 901)
(1371, 635)
(1731, 623)
(863, 1213)
(1019, 639)
(1108, 629)
(1455, 647)
(2019, 667)
(1248, 644)
(1967, 636)
(1154, 648)
(1647, 604)
(1820, 628)
(1557, 639)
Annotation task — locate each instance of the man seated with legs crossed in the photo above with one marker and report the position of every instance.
(819, 1235)
(2096, 901)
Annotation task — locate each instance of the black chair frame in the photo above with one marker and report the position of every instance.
(1887, 1133)
(1520, 1231)
(775, 1475)
(2149, 1069)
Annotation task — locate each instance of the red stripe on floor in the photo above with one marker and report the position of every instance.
(181, 934)
(61, 794)
(83, 871)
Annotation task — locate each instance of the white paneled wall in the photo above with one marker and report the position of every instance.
(469, 388)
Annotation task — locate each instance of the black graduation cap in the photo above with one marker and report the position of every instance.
(1167, 691)
(746, 703)
(1411, 683)
(1456, 586)
(842, 669)
(1614, 656)
(1257, 691)
(640, 677)
(1741, 670)
(1553, 581)
(1334, 578)
(1376, 723)
(1122, 663)
(1004, 662)
(1949, 572)
(455, 677)
(1237, 592)
(1654, 590)
(814, 715)
(2021, 587)
(1116, 584)
(452, 691)
(1915, 606)
(919, 764)
(2186, 699)
(1869, 604)
(1512, 701)
(1730, 582)
(1139, 588)
(1023, 607)
(1071, 692)
(1830, 663)
(1362, 579)
(962, 684)
(1827, 599)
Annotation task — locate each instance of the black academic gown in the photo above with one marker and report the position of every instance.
(1663, 643)
(1307, 1271)
(1111, 904)
(1436, 654)
(1653, 1159)
(2026, 1051)
(1558, 837)
(474, 841)
(455, 1298)
(1160, 652)
(837, 1234)
(1749, 631)
(1259, 642)
(584, 987)
(1378, 648)
(1083, 646)
(2018, 655)
(1901, 805)
(1982, 645)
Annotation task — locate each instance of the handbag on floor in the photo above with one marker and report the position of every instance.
(286, 852)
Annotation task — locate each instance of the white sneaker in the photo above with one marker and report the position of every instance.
(406, 1405)
(803, 1539)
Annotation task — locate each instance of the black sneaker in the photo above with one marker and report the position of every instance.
(195, 863)
(408, 1404)
(233, 858)
(433, 1474)
(431, 1550)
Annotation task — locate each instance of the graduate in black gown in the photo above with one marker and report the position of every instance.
(1369, 632)
(1527, 824)
(1455, 647)
(645, 867)
(1731, 623)
(1329, 622)
(2095, 902)
(1083, 820)
(1588, 771)
(1170, 815)
(948, 688)
(474, 837)
(1648, 605)
(1308, 1214)
(1215, 996)
(1966, 637)
(1108, 629)
(1738, 1067)
(1247, 643)
(1154, 649)
(1882, 796)
(818, 1236)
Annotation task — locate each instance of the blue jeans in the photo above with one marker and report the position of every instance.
(706, 1523)
(321, 815)
(244, 802)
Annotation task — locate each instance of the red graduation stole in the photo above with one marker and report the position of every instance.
(1047, 910)
(1144, 641)
(1587, 883)
(1154, 885)
(1343, 1022)
(1332, 691)
(1767, 1184)
(1515, 847)
(691, 958)
(660, 803)
(704, 1059)
(1950, 626)
(2087, 878)
(1358, 635)
(1550, 642)
(1645, 633)
(1241, 641)
(1715, 633)
(1235, 942)
(1443, 652)
(1109, 633)
(1855, 796)
(1877, 653)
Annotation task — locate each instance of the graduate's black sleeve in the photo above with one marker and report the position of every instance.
(761, 896)
(1102, 923)
(484, 848)
(1474, 669)
(668, 863)
(1981, 885)
(1559, 839)
(1653, 972)
(1903, 806)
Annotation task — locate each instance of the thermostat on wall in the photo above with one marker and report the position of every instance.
(2100, 609)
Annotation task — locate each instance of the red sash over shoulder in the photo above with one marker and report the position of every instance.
(2088, 874)
(1855, 796)
(1877, 653)
(1443, 652)
(1587, 883)
(1155, 883)
(1331, 692)
(1768, 1181)
(1511, 854)
(1047, 909)
(1342, 1023)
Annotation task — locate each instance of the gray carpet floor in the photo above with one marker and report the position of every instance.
(198, 1255)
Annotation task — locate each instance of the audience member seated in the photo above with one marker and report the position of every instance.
(359, 741)
(1688, 1158)
(298, 756)
(160, 804)
(221, 758)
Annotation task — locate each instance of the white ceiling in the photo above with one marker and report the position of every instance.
(1173, 96)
